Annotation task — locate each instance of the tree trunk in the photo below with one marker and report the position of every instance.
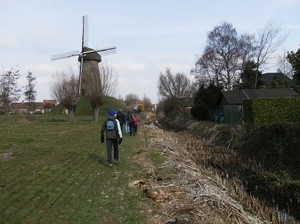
(255, 78)
(71, 115)
(96, 113)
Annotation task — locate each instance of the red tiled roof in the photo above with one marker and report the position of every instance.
(54, 102)
(21, 106)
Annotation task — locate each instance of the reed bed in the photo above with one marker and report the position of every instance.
(197, 189)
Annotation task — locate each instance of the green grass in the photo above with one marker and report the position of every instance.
(56, 172)
(84, 108)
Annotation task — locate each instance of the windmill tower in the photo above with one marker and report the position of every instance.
(88, 59)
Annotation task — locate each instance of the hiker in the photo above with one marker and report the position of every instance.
(126, 122)
(130, 122)
(113, 134)
(121, 118)
(135, 123)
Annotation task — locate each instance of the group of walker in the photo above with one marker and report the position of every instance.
(112, 130)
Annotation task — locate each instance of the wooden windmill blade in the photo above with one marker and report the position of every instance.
(102, 51)
(107, 51)
(85, 32)
(84, 43)
(64, 55)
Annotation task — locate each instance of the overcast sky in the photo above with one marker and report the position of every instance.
(150, 35)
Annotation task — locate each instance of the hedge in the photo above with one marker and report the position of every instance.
(271, 110)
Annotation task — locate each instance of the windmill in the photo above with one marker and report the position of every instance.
(88, 58)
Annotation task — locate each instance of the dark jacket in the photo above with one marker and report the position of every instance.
(121, 117)
(129, 117)
(113, 134)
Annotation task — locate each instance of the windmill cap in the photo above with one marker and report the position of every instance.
(94, 56)
(111, 112)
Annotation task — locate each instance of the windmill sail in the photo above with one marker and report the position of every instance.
(64, 55)
(85, 32)
(102, 51)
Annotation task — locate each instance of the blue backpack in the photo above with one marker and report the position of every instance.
(110, 125)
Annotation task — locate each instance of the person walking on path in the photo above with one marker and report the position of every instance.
(135, 123)
(126, 122)
(130, 121)
(121, 118)
(113, 134)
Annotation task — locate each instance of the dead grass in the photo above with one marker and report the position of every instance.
(182, 186)
(6, 156)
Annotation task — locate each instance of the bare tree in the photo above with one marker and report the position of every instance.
(30, 93)
(284, 66)
(147, 103)
(223, 57)
(64, 88)
(176, 91)
(94, 93)
(109, 79)
(206, 71)
(131, 99)
(9, 89)
(266, 44)
(179, 85)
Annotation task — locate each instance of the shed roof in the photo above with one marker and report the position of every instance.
(234, 97)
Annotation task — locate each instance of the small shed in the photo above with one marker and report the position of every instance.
(236, 97)
(230, 103)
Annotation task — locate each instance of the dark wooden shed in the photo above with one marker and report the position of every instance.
(230, 103)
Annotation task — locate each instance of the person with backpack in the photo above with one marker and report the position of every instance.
(113, 134)
(129, 117)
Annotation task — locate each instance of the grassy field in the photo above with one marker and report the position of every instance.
(57, 172)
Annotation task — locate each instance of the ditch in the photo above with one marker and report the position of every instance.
(255, 184)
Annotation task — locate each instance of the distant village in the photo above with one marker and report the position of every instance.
(32, 108)
(47, 105)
